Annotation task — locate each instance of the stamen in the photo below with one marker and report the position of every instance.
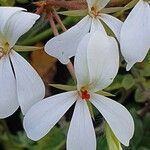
(85, 95)
(94, 11)
(4, 49)
(1, 52)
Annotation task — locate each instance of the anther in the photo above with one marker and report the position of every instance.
(85, 95)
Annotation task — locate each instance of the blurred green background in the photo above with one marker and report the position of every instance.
(132, 89)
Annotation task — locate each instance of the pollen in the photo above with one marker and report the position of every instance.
(94, 11)
(85, 95)
(4, 49)
(1, 52)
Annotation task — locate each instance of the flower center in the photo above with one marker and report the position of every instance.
(94, 12)
(84, 94)
(4, 49)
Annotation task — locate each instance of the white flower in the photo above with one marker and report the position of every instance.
(135, 34)
(96, 65)
(64, 46)
(20, 85)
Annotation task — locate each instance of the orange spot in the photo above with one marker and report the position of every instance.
(85, 95)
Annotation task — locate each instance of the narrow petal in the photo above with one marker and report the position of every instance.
(99, 4)
(30, 87)
(103, 60)
(81, 134)
(113, 23)
(64, 46)
(117, 116)
(45, 114)
(80, 63)
(5, 15)
(135, 39)
(8, 91)
(17, 25)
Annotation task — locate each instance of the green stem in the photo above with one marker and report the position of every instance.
(45, 34)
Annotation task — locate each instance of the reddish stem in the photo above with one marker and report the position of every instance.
(67, 4)
(70, 68)
(52, 23)
(57, 18)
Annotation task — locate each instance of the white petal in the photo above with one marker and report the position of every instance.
(103, 60)
(5, 15)
(99, 4)
(81, 134)
(8, 94)
(113, 23)
(30, 87)
(135, 38)
(64, 46)
(45, 114)
(17, 25)
(117, 116)
(97, 25)
(80, 62)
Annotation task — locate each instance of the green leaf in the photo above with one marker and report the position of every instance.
(146, 121)
(117, 84)
(128, 81)
(143, 148)
(113, 142)
(64, 87)
(145, 71)
(112, 9)
(130, 4)
(55, 140)
(139, 131)
(104, 93)
(91, 110)
(73, 13)
(102, 143)
(7, 2)
(139, 95)
(22, 1)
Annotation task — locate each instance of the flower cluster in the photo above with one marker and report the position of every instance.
(96, 64)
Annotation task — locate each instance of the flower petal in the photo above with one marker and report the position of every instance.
(117, 116)
(99, 4)
(5, 15)
(8, 94)
(97, 25)
(103, 60)
(81, 134)
(135, 39)
(30, 87)
(14, 27)
(45, 114)
(80, 62)
(113, 23)
(64, 46)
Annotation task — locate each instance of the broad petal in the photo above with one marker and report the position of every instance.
(64, 46)
(99, 4)
(81, 134)
(8, 95)
(45, 114)
(135, 39)
(30, 87)
(5, 15)
(80, 62)
(17, 25)
(117, 116)
(103, 60)
(113, 23)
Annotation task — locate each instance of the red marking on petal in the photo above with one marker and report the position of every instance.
(85, 95)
